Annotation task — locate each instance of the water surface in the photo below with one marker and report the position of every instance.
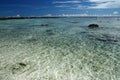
(66, 49)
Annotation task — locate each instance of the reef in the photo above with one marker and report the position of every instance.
(93, 26)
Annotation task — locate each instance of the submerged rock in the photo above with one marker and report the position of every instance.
(19, 67)
(22, 64)
(49, 32)
(32, 40)
(108, 37)
(83, 32)
(103, 37)
(46, 24)
(118, 19)
(93, 26)
(74, 22)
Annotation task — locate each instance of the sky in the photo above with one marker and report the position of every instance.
(58, 7)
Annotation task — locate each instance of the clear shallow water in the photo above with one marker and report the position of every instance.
(65, 50)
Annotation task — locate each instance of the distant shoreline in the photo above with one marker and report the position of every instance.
(9, 18)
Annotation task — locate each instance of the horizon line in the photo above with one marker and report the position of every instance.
(65, 15)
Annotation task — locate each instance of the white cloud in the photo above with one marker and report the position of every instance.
(105, 4)
(101, 0)
(48, 15)
(61, 6)
(93, 4)
(18, 15)
(64, 2)
(74, 15)
(78, 7)
(115, 12)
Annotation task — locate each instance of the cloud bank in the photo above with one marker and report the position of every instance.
(89, 4)
(105, 3)
(66, 2)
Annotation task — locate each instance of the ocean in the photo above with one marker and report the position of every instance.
(60, 49)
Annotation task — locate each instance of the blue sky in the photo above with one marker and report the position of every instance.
(58, 7)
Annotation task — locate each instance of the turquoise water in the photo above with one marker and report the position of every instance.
(66, 49)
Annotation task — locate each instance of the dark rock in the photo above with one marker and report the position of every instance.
(48, 30)
(83, 32)
(93, 26)
(22, 64)
(19, 67)
(104, 40)
(44, 24)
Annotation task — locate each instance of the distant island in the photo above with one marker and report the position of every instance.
(9, 18)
